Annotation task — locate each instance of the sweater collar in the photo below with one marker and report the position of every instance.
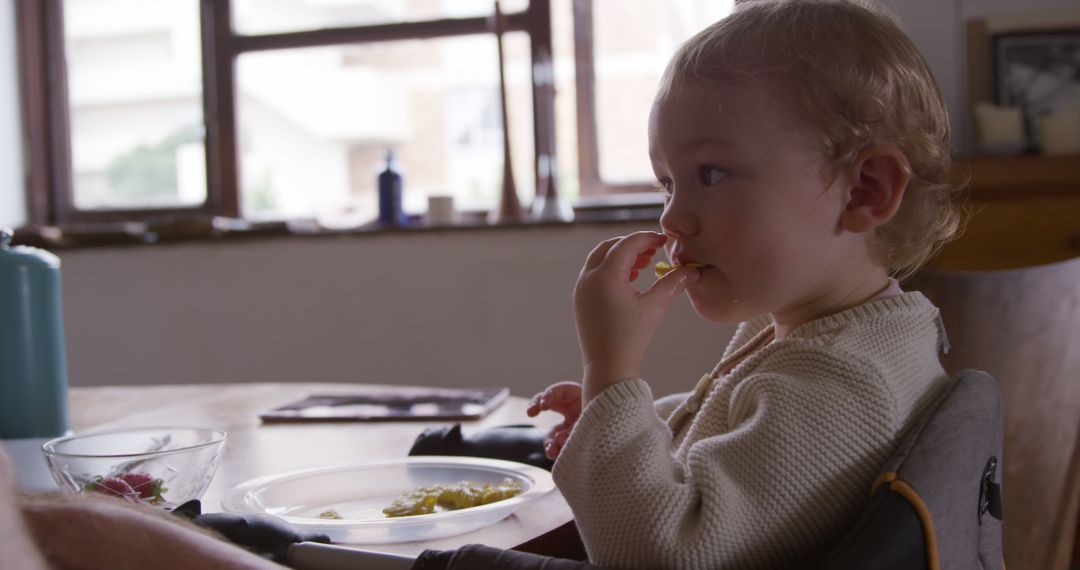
(912, 301)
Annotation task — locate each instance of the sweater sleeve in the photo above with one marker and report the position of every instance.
(784, 473)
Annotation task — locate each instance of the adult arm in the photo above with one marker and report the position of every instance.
(17, 549)
(75, 531)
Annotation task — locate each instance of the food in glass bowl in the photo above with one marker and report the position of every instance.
(160, 466)
(136, 487)
(442, 498)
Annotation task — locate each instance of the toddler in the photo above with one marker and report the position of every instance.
(803, 150)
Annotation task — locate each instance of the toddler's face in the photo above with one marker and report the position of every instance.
(746, 196)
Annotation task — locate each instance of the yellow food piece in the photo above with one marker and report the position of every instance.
(663, 268)
(441, 498)
(330, 514)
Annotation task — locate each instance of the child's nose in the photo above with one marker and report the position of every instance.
(678, 218)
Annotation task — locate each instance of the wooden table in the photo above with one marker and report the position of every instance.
(255, 450)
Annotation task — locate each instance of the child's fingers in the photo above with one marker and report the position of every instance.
(542, 401)
(563, 398)
(623, 255)
(549, 443)
(644, 258)
(596, 256)
(555, 442)
(560, 438)
(553, 448)
(558, 432)
(534, 405)
(666, 290)
(566, 425)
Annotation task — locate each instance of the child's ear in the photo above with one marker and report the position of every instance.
(878, 178)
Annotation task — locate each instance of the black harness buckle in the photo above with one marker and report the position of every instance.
(990, 491)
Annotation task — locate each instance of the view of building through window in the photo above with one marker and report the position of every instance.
(135, 95)
(313, 124)
(632, 47)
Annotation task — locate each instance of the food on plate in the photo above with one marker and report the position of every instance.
(442, 498)
(330, 514)
(663, 268)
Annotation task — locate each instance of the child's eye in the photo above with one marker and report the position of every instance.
(663, 185)
(711, 175)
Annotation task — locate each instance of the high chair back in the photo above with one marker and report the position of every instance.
(937, 501)
(1023, 327)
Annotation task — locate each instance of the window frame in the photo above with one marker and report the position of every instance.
(46, 124)
(593, 186)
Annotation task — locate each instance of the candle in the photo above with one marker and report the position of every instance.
(999, 129)
(1060, 133)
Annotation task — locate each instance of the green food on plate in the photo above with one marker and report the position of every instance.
(442, 498)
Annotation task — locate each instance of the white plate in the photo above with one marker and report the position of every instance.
(359, 492)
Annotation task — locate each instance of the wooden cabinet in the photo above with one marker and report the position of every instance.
(1025, 210)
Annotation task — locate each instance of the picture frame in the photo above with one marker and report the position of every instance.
(1037, 71)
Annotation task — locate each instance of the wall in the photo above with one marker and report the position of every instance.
(457, 308)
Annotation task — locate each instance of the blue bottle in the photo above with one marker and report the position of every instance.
(391, 213)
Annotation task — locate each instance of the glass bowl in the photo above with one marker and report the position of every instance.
(160, 466)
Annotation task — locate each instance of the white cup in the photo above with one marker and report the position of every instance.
(441, 211)
(1060, 133)
(31, 471)
(1000, 129)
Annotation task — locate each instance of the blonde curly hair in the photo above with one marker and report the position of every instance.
(855, 80)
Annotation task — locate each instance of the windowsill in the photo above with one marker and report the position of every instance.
(987, 178)
(586, 212)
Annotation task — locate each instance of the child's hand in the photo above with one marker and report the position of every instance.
(615, 321)
(564, 398)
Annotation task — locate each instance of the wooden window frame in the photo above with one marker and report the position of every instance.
(46, 123)
(593, 187)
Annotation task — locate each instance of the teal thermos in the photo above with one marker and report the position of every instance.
(33, 367)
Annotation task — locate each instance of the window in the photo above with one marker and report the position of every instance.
(274, 109)
(621, 54)
(134, 104)
(314, 124)
(12, 198)
(180, 110)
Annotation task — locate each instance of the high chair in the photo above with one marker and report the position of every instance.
(935, 505)
(1023, 327)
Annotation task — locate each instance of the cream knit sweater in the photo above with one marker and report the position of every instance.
(764, 467)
